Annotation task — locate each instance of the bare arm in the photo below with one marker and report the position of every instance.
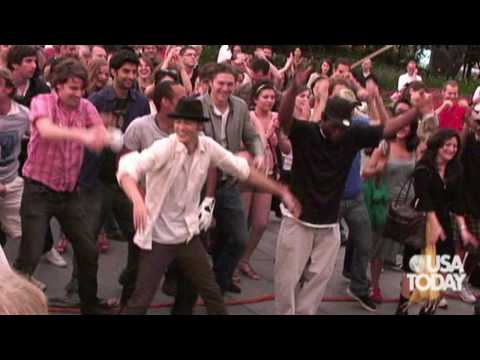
(375, 165)
(187, 83)
(130, 186)
(277, 189)
(283, 143)
(320, 91)
(211, 182)
(375, 103)
(285, 115)
(397, 123)
(466, 235)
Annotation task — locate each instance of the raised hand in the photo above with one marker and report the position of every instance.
(302, 76)
(320, 90)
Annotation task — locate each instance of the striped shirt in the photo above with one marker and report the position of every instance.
(57, 164)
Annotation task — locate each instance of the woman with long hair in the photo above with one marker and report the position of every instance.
(438, 192)
(303, 108)
(391, 164)
(98, 75)
(145, 74)
(257, 204)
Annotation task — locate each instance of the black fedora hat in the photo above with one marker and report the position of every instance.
(189, 108)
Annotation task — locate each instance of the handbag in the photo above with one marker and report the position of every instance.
(405, 224)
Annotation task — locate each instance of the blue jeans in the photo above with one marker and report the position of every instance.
(232, 233)
(357, 251)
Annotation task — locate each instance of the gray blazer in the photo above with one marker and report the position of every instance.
(239, 126)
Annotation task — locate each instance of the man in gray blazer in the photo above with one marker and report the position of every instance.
(232, 128)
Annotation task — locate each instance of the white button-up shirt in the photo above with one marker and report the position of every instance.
(162, 163)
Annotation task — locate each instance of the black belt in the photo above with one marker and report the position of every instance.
(49, 189)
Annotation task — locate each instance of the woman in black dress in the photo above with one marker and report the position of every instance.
(438, 190)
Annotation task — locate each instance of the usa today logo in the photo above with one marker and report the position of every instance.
(439, 273)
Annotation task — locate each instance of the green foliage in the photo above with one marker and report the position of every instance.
(387, 67)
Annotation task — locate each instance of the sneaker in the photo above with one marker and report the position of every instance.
(54, 258)
(364, 301)
(402, 310)
(232, 288)
(443, 304)
(62, 245)
(377, 296)
(466, 294)
(38, 283)
(477, 308)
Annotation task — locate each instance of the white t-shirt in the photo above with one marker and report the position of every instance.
(224, 54)
(407, 79)
(476, 95)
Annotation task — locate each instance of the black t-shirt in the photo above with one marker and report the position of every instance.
(320, 168)
(109, 158)
(471, 168)
(435, 194)
(362, 80)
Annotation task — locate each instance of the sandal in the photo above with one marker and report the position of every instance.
(247, 270)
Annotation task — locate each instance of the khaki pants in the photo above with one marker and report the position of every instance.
(308, 254)
(10, 201)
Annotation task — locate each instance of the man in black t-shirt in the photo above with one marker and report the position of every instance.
(307, 247)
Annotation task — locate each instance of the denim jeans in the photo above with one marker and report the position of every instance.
(357, 251)
(39, 205)
(101, 201)
(232, 233)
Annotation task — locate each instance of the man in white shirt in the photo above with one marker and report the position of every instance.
(410, 76)
(167, 221)
(224, 54)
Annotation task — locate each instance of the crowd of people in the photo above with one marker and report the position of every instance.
(185, 160)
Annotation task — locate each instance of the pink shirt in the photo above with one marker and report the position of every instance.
(57, 164)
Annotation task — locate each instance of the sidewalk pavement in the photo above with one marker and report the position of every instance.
(256, 296)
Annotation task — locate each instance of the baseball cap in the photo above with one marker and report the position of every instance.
(340, 108)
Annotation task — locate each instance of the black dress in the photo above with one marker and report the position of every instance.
(441, 197)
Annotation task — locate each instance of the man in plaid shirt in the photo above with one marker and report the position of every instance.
(63, 124)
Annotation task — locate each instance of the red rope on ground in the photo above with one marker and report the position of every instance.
(256, 300)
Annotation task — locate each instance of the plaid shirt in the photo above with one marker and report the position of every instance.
(57, 164)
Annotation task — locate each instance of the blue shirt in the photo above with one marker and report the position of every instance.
(353, 188)
(96, 168)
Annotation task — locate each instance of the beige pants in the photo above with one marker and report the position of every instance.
(303, 253)
(10, 201)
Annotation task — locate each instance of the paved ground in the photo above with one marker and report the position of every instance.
(112, 263)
